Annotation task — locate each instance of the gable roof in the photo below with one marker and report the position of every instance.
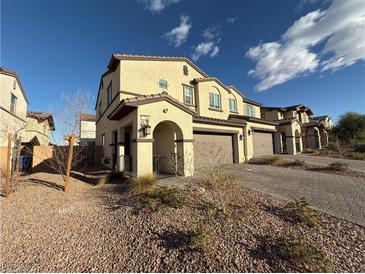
(117, 56)
(15, 75)
(208, 79)
(320, 118)
(42, 116)
(288, 121)
(129, 104)
(300, 107)
(235, 89)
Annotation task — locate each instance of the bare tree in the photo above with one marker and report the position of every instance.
(63, 156)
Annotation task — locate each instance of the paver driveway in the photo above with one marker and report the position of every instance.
(341, 196)
(318, 160)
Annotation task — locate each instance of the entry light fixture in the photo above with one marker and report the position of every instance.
(249, 132)
(146, 128)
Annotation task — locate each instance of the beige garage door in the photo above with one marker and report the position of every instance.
(212, 149)
(262, 144)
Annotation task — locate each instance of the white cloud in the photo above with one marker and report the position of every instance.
(341, 28)
(231, 20)
(203, 48)
(211, 33)
(303, 3)
(214, 52)
(178, 35)
(157, 5)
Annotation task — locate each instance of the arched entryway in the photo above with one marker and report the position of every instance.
(168, 157)
(298, 142)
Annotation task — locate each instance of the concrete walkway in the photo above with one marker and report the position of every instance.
(318, 160)
(341, 196)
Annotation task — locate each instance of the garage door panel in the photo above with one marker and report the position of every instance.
(262, 144)
(212, 149)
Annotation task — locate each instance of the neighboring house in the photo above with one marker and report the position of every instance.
(298, 130)
(87, 129)
(39, 128)
(13, 105)
(166, 115)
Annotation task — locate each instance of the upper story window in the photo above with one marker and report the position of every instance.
(214, 100)
(185, 70)
(100, 110)
(249, 111)
(109, 93)
(13, 101)
(305, 118)
(163, 84)
(232, 105)
(188, 95)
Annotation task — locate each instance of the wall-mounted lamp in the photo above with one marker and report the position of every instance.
(249, 132)
(241, 137)
(146, 128)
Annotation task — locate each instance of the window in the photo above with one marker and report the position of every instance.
(109, 93)
(103, 139)
(163, 84)
(214, 100)
(100, 110)
(185, 70)
(188, 95)
(13, 100)
(249, 111)
(232, 105)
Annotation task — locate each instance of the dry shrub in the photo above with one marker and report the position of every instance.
(338, 166)
(356, 155)
(170, 196)
(304, 256)
(216, 179)
(143, 184)
(298, 163)
(333, 147)
(273, 160)
(301, 211)
(200, 240)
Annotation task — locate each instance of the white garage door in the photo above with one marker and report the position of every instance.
(262, 144)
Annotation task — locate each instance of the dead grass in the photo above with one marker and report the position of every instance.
(338, 166)
(143, 184)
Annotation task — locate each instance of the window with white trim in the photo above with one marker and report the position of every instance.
(188, 95)
(109, 93)
(214, 100)
(249, 111)
(13, 101)
(232, 105)
(103, 139)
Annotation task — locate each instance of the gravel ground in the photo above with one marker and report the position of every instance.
(103, 229)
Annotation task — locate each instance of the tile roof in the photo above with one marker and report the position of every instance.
(238, 117)
(42, 116)
(87, 117)
(287, 121)
(133, 102)
(15, 75)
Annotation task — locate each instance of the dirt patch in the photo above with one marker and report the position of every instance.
(104, 229)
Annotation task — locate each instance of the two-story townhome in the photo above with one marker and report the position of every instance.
(87, 129)
(165, 115)
(39, 128)
(297, 129)
(13, 105)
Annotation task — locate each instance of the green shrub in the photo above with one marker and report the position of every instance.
(153, 204)
(217, 179)
(304, 256)
(143, 184)
(170, 196)
(298, 163)
(273, 160)
(200, 240)
(338, 166)
(301, 211)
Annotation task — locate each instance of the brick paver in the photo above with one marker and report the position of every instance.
(319, 160)
(341, 196)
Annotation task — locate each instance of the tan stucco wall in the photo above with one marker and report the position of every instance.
(11, 123)
(87, 132)
(272, 115)
(291, 137)
(142, 77)
(41, 130)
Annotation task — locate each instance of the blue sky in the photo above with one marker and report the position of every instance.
(279, 53)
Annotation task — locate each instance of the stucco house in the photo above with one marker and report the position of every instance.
(87, 129)
(164, 114)
(13, 105)
(39, 128)
(297, 129)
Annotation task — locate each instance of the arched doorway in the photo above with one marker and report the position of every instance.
(168, 157)
(298, 142)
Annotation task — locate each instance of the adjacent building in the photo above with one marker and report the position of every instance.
(87, 129)
(39, 128)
